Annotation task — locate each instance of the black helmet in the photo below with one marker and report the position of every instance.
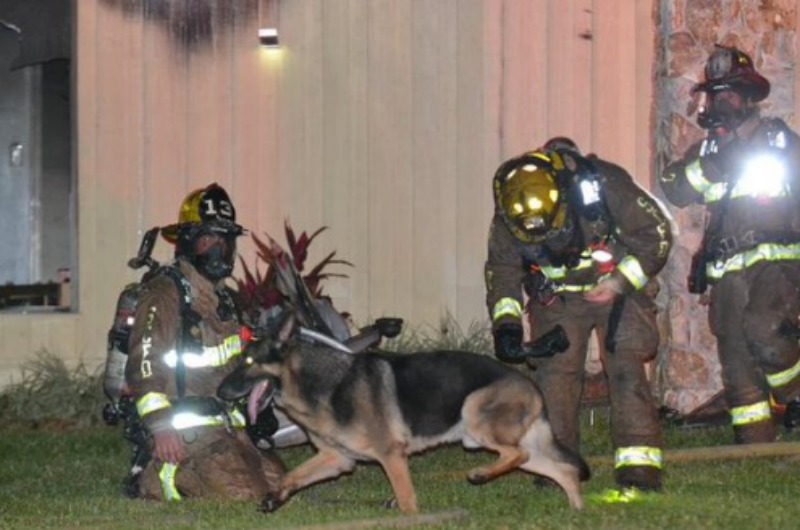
(528, 195)
(728, 68)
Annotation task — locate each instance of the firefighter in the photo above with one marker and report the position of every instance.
(187, 335)
(747, 172)
(583, 241)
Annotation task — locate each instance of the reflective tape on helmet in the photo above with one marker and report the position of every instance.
(781, 378)
(762, 252)
(151, 402)
(210, 357)
(167, 478)
(631, 268)
(712, 191)
(187, 420)
(506, 307)
(641, 455)
(748, 414)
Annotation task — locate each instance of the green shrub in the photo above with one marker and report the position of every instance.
(448, 336)
(50, 392)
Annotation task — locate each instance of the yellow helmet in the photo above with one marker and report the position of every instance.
(205, 205)
(528, 196)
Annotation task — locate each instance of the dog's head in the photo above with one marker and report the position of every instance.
(263, 359)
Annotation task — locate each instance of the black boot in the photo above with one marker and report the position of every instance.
(643, 478)
(791, 418)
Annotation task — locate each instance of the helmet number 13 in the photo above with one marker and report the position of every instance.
(225, 209)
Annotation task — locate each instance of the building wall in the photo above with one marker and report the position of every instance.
(381, 119)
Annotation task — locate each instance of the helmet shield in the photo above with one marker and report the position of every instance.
(528, 196)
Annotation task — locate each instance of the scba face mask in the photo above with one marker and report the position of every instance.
(211, 249)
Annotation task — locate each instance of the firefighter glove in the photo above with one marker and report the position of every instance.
(508, 343)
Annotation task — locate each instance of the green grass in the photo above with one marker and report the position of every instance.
(71, 479)
(60, 469)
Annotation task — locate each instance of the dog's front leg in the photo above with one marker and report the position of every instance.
(396, 467)
(327, 463)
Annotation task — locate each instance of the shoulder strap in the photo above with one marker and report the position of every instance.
(185, 294)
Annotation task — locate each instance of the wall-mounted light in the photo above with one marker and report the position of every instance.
(268, 37)
(268, 24)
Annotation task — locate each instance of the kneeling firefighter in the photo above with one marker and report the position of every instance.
(583, 241)
(187, 335)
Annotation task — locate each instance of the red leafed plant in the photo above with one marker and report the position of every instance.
(258, 291)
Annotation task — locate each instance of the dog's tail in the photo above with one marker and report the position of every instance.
(570, 456)
(543, 441)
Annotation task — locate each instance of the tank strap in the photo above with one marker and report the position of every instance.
(188, 317)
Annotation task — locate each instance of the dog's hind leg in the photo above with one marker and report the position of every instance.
(327, 463)
(509, 459)
(395, 464)
(495, 419)
(549, 458)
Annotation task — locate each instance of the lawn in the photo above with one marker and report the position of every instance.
(70, 478)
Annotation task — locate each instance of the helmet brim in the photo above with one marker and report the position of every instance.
(170, 232)
(756, 86)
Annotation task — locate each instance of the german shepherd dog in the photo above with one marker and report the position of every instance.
(383, 407)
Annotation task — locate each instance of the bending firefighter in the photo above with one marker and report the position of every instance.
(187, 336)
(747, 173)
(584, 241)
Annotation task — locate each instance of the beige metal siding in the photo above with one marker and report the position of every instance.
(382, 119)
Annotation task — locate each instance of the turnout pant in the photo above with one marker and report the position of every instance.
(635, 426)
(219, 464)
(752, 314)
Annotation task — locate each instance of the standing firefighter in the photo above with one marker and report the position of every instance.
(747, 173)
(584, 241)
(186, 337)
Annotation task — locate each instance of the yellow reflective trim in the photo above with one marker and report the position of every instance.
(212, 356)
(567, 288)
(748, 414)
(638, 456)
(167, 477)
(187, 420)
(556, 273)
(711, 191)
(633, 272)
(781, 378)
(763, 252)
(506, 307)
(151, 402)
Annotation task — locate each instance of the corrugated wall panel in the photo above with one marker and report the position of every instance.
(382, 119)
(389, 181)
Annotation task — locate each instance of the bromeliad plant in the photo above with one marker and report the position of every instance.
(258, 291)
